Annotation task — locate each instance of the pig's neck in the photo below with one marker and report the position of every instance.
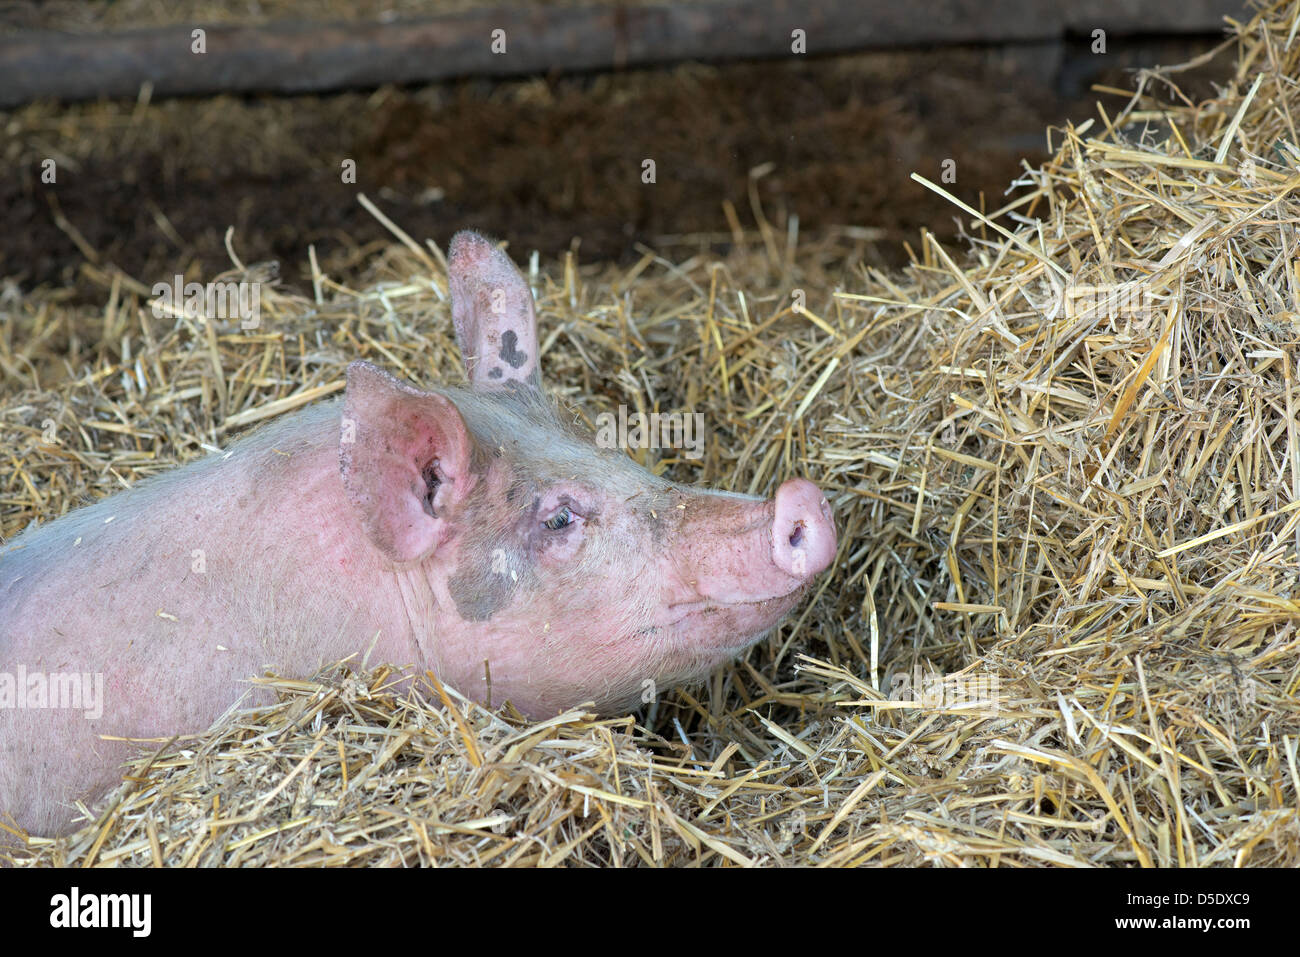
(313, 585)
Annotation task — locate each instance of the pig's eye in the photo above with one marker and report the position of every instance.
(559, 520)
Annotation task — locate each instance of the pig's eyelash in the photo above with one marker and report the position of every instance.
(560, 519)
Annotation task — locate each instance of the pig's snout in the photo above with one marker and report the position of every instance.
(803, 531)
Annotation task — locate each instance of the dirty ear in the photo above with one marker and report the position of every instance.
(404, 456)
(492, 309)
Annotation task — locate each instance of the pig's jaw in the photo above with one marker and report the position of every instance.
(720, 629)
(738, 619)
(757, 560)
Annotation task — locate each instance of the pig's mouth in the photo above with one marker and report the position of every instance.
(725, 627)
(735, 584)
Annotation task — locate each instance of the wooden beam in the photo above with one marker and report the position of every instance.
(308, 57)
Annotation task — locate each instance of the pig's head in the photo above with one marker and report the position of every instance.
(531, 559)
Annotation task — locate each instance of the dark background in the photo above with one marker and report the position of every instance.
(549, 163)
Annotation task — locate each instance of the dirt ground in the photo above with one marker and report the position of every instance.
(547, 163)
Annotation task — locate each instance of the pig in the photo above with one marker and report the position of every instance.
(470, 531)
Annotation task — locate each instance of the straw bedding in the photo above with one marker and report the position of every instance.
(1061, 629)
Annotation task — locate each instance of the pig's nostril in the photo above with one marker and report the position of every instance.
(803, 533)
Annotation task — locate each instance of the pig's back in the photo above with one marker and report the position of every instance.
(67, 588)
(142, 592)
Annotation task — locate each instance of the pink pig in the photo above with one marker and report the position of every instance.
(471, 532)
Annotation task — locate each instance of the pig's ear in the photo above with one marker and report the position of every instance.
(492, 309)
(404, 455)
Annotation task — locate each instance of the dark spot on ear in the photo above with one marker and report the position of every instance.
(494, 372)
(523, 389)
(508, 351)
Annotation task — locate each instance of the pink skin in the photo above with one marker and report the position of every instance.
(464, 531)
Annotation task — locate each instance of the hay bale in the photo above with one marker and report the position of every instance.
(1066, 471)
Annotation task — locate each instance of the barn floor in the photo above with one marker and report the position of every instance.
(547, 163)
